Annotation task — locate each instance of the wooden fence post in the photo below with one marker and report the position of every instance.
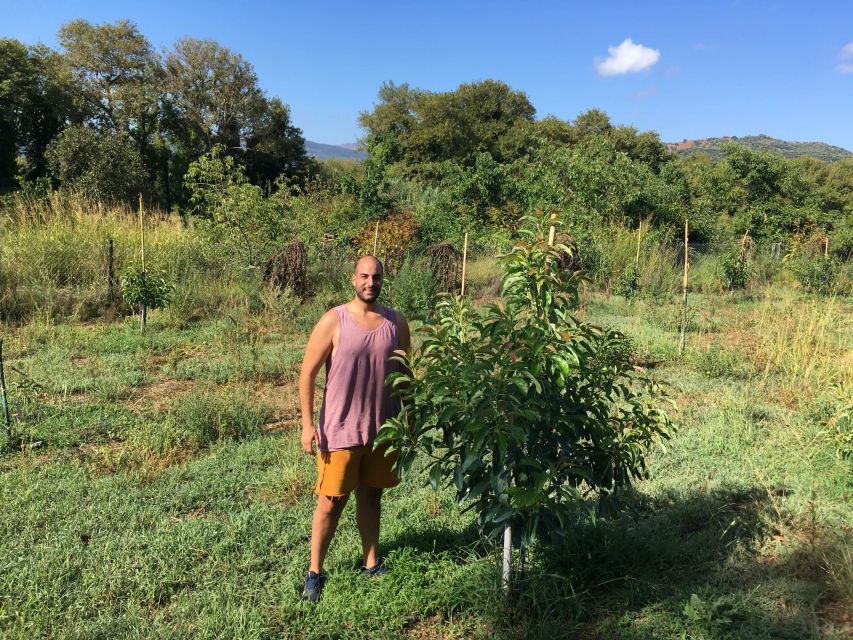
(7, 421)
(639, 235)
(464, 263)
(111, 274)
(552, 232)
(684, 290)
(143, 316)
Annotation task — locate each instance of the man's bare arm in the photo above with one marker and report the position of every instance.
(316, 352)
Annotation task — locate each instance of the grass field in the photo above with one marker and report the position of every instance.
(161, 493)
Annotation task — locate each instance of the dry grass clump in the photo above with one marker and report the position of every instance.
(287, 269)
(801, 343)
(445, 261)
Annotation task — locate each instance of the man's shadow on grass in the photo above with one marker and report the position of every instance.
(684, 563)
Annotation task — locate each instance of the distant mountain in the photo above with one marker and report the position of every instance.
(713, 147)
(334, 151)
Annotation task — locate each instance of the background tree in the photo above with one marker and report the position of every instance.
(104, 166)
(275, 147)
(35, 104)
(118, 86)
(110, 64)
(213, 94)
(419, 129)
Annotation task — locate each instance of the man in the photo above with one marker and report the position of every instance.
(355, 341)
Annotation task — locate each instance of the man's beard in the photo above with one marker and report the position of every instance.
(368, 296)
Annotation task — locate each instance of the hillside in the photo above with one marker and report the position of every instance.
(713, 147)
(337, 151)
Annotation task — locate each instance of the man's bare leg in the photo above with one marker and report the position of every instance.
(367, 513)
(323, 526)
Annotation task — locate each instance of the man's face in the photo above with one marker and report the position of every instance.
(367, 280)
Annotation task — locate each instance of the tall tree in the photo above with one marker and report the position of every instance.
(115, 73)
(419, 128)
(213, 94)
(118, 82)
(35, 105)
(275, 147)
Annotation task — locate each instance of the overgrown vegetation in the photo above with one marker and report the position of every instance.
(155, 486)
(748, 510)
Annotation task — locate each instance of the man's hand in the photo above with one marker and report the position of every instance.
(309, 435)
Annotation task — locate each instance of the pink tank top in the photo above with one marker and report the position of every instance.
(356, 401)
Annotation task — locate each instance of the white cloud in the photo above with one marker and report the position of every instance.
(627, 58)
(846, 53)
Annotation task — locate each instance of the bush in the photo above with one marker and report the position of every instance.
(838, 428)
(412, 290)
(105, 167)
(151, 288)
(735, 269)
(815, 273)
(719, 363)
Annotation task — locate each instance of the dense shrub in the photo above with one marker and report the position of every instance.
(412, 290)
(735, 269)
(815, 273)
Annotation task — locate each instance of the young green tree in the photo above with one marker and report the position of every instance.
(536, 417)
(233, 211)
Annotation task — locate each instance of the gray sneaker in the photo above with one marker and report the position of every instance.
(377, 570)
(314, 583)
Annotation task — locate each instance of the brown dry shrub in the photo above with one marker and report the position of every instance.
(445, 262)
(287, 269)
(396, 233)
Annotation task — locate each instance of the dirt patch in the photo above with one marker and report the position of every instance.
(425, 628)
(104, 457)
(284, 401)
(839, 615)
(194, 514)
(158, 394)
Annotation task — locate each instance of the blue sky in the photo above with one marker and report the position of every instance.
(691, 69)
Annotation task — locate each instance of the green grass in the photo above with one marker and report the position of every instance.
(160, 492)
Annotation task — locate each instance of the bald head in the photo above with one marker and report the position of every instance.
(367, 263)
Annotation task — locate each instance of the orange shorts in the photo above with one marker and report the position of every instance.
(339, 472)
